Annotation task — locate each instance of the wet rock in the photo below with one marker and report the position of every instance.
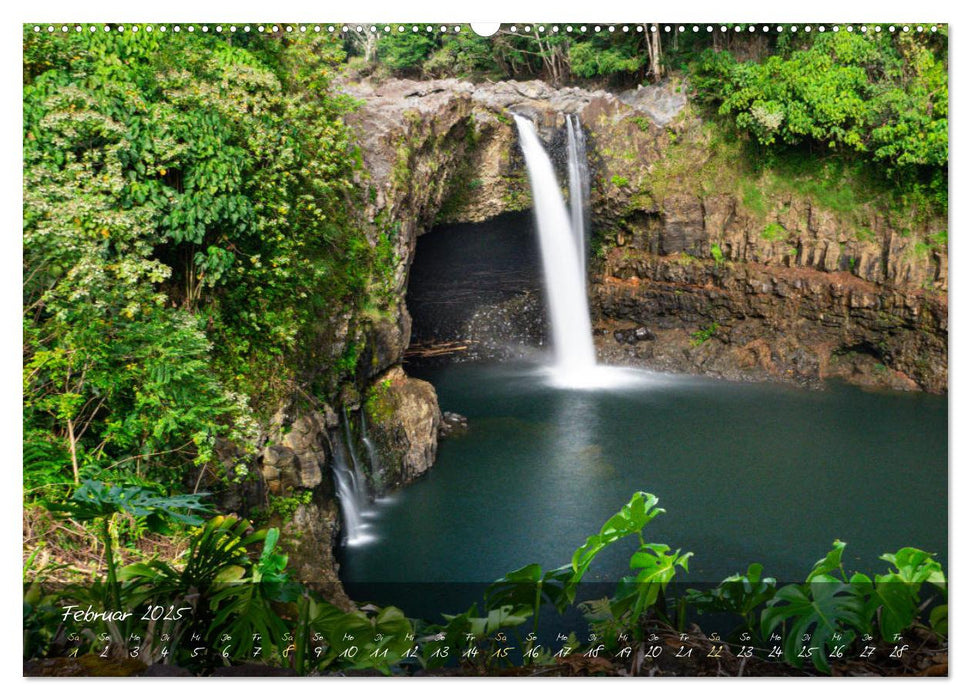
(280, 469)
(511, 329)
(775, 323)
(331, 420)
(307, 441)
(452, 424)
(309, 538)
(634, 335)
(403, 419)
(684, 226)
(387, 341)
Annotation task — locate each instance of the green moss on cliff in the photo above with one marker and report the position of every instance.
(379, 402)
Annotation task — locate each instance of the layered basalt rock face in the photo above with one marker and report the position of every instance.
(780, 288)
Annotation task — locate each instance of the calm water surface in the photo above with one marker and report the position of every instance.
(746, 472)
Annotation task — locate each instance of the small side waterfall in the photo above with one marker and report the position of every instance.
(565, 281)
(579, 185)
(372, 453)
(359, 478)
(351, 487)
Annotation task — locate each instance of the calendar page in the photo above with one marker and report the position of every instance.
(525, 349)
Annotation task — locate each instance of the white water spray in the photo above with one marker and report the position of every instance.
(579, 185)
(566, 289)
(372, 453)
(351, 488)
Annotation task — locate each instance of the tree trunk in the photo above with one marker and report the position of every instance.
(72, 443)
(653, 38)
(658, 64)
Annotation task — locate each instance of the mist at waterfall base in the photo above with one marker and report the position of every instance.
(562, 250)
(746, 472)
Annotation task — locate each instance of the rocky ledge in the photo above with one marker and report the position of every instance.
(777, 285)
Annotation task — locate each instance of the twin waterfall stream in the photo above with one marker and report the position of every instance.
(563, 244)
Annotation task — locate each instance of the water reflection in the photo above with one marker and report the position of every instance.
(746, 472)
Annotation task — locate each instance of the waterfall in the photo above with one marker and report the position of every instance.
(372, 454)
(579, 185)
(566, 290)
(360, 480)
(351, 487)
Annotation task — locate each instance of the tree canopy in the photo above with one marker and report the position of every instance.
(186, 222)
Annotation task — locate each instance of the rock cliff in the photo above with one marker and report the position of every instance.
(743, 276)
(697, 265)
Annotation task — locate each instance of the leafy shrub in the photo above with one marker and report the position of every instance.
(702, 336)
(880, 96)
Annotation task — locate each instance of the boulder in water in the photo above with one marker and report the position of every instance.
(452, 424)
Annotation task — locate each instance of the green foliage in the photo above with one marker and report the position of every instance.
(617, 57)
(833, 609)
(895, 595)
(381, 639)
(594, 58)
(286, 506)
(741, 594)
(753, 198)
(774, 231)
(245, 598)
(97, 502)
(702, 336)
(230, 595)
(527, 589)
(189, 217)
(379, 402)
(655, 565)
(830, 610)
(716, 254)
(94, 500)
(619, 181)
(629, 520)
(883, 96)
(405, 51)
(521, 593)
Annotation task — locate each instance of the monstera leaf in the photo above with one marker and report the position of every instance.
(94, 499)
(915, 566)
(739, 594)
(895, 596)
(530, 586)
(820, 616)
(629, 520)
(655, 565)
(833, 561)
(362, 640)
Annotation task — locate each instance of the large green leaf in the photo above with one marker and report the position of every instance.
(654, 566)
(916, 566)
(530, 586)
(740, 594)
(826, 609)
(895, 595)
(95, 499)
(629, 520)
(833, 561)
